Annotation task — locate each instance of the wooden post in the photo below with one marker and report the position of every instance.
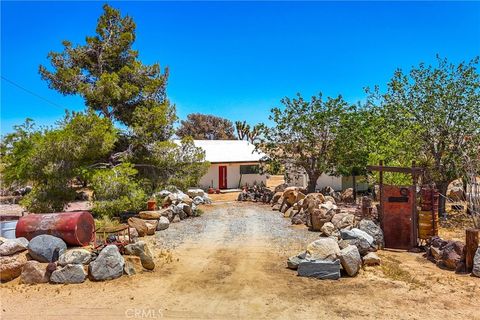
(472, 241)
(414, 209)
(354, 183)
(380, 214)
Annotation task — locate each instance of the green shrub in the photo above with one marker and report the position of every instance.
(116, 190)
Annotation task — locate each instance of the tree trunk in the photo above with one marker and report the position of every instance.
(312, 183)
(442, 189)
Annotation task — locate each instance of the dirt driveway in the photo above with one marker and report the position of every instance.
(230, 263)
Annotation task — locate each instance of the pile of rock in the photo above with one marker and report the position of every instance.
(46, 259)
(346, 249)
(255, 194)
(176, 206)
(450, 255)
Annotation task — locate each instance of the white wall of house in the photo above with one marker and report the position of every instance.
(211, 179)
(337, 183)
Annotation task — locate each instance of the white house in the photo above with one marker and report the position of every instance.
(233, 163)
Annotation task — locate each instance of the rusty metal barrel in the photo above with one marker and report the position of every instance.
(76, 228)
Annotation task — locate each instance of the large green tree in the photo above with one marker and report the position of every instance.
(106, 71)
(206, 127)
(436, 110)
(304, 134)
(50, 159)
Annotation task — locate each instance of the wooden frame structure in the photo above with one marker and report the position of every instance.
(415, 173)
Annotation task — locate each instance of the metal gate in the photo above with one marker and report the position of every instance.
(398, 217)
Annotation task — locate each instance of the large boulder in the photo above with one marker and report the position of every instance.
(168, 213)
(35, 272)
(351, 260)
(452, 254)
(198, 200)
(313, 201)
(151, 227)
(149, 215)
(12, 246)
(138, 224)
(323, 249)
(192, 193)
(372, 229)
(140, 249)
(294, 261)
(347, 196)
(11, 266)
(328, 230)
(163, 223)
(75, 256)
(456, 194)
(355, 234)
(343, 220)
(292, 195)
(362, 245)
(46, 248)
(178, 210)
(108, 265)
(186, 208)
(319, 217)
(476, 263)
(320, 269)
(71, 273)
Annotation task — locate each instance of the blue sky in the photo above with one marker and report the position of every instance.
(238, 59)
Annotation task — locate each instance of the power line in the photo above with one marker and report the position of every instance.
(33, 93)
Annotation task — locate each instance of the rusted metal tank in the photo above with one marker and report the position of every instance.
(75, 228)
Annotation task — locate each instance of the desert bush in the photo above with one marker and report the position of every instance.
(116, 190)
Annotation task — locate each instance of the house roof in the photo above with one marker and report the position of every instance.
(221, 151)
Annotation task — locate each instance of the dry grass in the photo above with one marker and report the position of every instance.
(392, 269)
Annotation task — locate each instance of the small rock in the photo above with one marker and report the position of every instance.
(351, 260)
(75, 256)
(320, 269)
(35, 272)
(12, 246)
(11, 266)
(176, 219)
(347, 196)
(323, 249)
(132, 266)
(108, 265)
(371, 259)
(46, 248)
(452, 254)
(71, 273)
(133, 234)
(288, 213)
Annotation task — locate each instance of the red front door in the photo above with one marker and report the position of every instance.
(222, 177)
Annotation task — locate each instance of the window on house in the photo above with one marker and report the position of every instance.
(249, 169)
